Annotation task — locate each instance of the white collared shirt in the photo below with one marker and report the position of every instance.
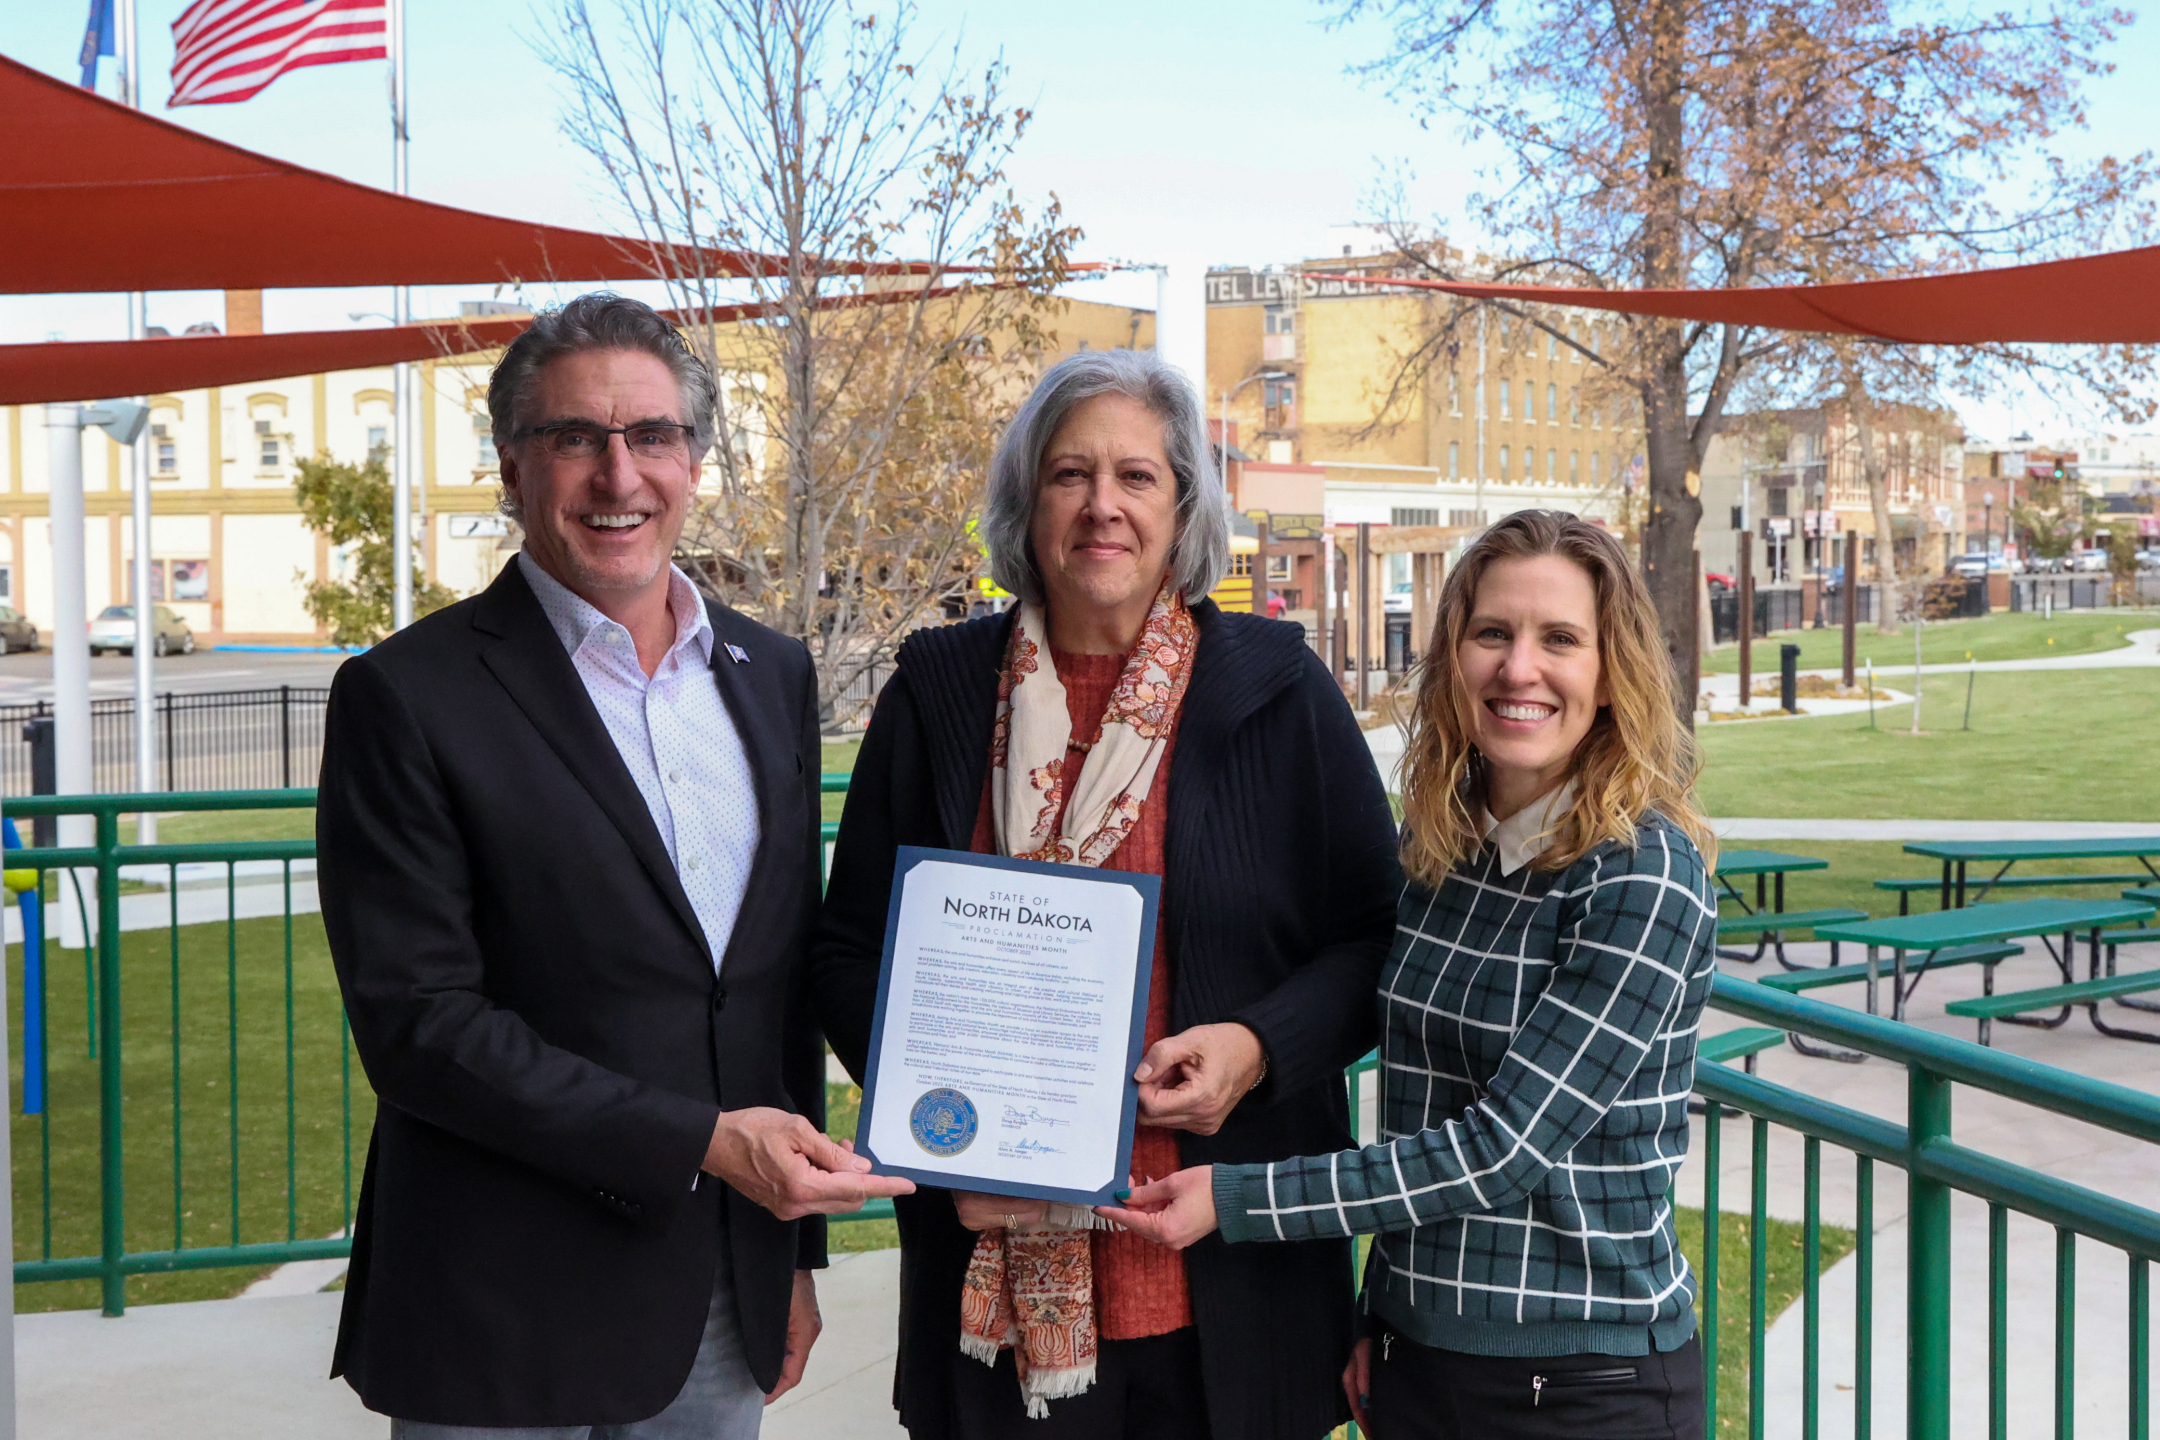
(676, 737)
(1526, 834)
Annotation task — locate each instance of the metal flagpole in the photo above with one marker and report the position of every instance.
(406, 420)
(146, 769)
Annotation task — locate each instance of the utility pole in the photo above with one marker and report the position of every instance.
(406, 427)
(146, 768)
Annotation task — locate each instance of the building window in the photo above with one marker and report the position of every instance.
(268, 443)
(1552, 404)
(1241, 565)
(1597, 468)
(1280, 568)
(1462, 519)
(1454, 460)
(1574, 404)
(484, 435)
(1281, 398)
(1280, 320)
(191, 579)
(1778, 502)
(168, 453)
(378, 440)
(1529, 402)
(1503, 462)
(1400, 516)
(1454, 393)
(1552, 345)
(1507, 401)
(1552, 465)
(1574, 467)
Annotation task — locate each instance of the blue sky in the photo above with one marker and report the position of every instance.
(1164, 126)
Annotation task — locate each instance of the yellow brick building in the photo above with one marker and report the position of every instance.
(230, 551)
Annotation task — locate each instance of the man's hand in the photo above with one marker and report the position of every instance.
(1175, 1212)
(996, 1212)
(803, 1325)
(1193, 1080)
(787, 1165)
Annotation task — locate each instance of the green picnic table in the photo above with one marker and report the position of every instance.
(1924, 935)
(1769, 867)
(1956, 855)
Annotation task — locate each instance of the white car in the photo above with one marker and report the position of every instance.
(2089, 561)
(114, 629)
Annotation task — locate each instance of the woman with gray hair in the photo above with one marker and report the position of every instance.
(1116, 717)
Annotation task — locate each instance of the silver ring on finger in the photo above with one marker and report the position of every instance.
(1012, 1221)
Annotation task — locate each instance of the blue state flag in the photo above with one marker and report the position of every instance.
(97, 40)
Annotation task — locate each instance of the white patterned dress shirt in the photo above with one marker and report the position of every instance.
(675, 735)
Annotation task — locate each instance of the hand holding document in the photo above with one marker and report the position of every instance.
(1008, 1025)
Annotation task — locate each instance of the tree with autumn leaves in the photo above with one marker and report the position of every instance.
(1730, 143)
(865, 381)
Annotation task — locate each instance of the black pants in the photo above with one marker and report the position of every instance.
(1144, 1390)
(1419, 1393)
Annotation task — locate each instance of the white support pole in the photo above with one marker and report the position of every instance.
(70, 646)
(405, 427)
(146, 767)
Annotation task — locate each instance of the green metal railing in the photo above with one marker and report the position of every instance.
(1935, 1166)
(247, 1007)
(193, 1037)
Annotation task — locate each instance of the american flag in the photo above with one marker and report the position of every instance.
(227, 50)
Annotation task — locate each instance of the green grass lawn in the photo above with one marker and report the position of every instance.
(235, 1171)
(1782, 1289)
(2001, 636)
(2044, 745)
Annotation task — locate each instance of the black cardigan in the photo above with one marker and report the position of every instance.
(1280, 893)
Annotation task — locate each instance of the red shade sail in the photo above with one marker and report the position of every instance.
(63, 370)
(2110, 299)
(97, 197)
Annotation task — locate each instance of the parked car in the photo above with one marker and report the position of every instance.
(114, 629)
(16, 631)
(2088, 561)
(1969, 567)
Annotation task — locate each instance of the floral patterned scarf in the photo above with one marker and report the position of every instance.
(1034, 1289)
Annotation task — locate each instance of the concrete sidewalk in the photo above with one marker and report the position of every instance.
(216, 1369)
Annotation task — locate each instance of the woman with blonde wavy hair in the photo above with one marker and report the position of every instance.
(1538, 1015)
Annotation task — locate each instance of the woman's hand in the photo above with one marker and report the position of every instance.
(1357, 1382)
(1173, 1212)
(996, 1212)
(1191, 1081)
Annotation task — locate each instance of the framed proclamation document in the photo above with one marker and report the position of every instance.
(1010, 1006)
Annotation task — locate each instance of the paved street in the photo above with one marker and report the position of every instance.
(26, 679)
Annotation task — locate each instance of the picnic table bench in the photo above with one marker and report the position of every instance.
(1767, 919)
(1984, 925)
(1905, 889)
(1957, 855)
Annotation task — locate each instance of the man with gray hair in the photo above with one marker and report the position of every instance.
(569, 847)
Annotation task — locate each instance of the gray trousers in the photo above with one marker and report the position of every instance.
(718, 1402)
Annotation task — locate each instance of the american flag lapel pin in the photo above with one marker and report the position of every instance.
(737, 654)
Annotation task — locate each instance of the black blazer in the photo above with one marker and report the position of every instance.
(1280, 895)
(536, 1007)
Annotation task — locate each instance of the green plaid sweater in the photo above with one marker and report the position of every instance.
(1537, 1050)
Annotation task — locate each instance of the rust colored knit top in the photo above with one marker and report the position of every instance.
(1140, 1287)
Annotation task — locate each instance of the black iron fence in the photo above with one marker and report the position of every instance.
(1833, 606)
(1776, 608)
(210, 740)
(2061, 592)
